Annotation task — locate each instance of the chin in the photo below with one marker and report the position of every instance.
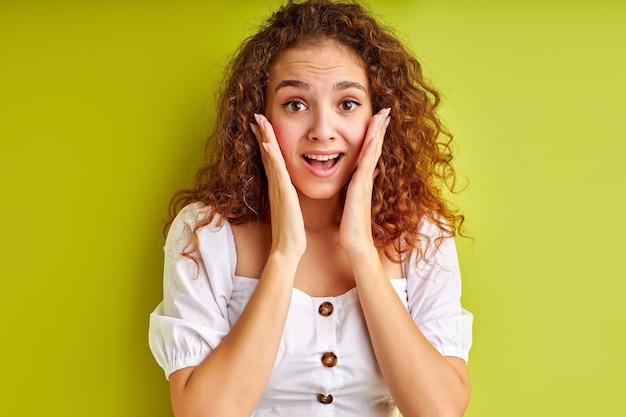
(320, 192)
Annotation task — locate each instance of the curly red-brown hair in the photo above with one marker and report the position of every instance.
(415, 165)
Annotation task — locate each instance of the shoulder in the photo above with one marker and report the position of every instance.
(252, 241)
(434, 228)
(434, 249)
(193, 221)
(194, 214)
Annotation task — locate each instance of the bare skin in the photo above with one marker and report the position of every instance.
(316, 243)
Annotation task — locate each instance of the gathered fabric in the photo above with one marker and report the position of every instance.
(325, 364)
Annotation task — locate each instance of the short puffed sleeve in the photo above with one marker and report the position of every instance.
(434, 296)
(192, 319)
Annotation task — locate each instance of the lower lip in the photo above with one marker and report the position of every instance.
(323, 173)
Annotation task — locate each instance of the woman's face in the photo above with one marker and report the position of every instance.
(319, 103)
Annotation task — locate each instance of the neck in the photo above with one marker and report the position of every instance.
(321, 214)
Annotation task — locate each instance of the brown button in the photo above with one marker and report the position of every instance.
(325, 399)
(326, 309)
(329, 359)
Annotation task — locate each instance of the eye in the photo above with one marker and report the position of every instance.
(349, 105)
(294, 106)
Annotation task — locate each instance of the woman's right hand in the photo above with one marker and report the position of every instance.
(288, 236)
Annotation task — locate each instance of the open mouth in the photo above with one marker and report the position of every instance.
(322, 161)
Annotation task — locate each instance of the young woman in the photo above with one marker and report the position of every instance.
(311, 270)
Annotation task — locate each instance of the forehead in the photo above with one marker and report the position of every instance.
(324, 60)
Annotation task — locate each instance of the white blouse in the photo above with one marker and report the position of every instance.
(325, 364)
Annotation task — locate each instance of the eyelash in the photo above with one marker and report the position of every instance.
(355, 103)
(288, 105)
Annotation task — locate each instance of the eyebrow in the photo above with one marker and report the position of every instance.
(342, 85)
(292, 83)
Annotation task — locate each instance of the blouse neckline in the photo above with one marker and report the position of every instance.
(399, 284)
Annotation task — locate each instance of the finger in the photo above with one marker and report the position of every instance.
(264, 133)
(273, 154)
(259, 137)
(270, 150)
(383, 133)
(257, 133)
(265, 128)
(383, 122)
(381, 118)
(378, 126)
(372, 153)
(382, 125)
(372, 149)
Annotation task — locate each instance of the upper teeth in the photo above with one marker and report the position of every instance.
(322, 157)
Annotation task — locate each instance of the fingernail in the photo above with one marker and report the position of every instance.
(387, 111)
(257, 118)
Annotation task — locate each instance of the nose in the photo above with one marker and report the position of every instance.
(322, 125)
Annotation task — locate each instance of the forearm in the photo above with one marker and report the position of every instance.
(421, 380)
(231, 379)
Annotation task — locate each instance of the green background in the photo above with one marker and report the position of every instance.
(104, 107)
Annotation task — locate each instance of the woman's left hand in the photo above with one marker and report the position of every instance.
(356, 222)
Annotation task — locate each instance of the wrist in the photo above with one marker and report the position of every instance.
(359, 254)
(284, 259)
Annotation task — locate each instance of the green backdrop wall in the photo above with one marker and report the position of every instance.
(104, 106)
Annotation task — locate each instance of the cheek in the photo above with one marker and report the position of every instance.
(280, 131)
(285, 136)
(358, 132)
(287, 142)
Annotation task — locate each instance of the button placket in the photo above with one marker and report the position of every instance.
(326, 377)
